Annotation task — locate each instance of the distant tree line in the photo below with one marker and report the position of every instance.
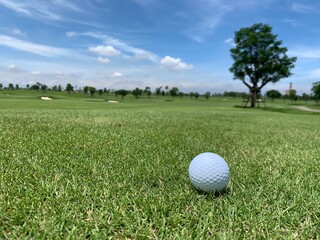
(167, 91)
(235, 94)
(290, 95)
(137, 92)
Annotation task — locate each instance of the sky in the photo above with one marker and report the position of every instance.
(124, 44)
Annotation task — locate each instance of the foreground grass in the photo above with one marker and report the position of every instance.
(75, 170)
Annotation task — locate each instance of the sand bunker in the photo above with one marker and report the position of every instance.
(303, 108)
(46, 98)
(111, 101)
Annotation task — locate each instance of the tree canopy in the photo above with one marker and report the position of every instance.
(69, 88)
(121, 92)
(259, 58)
(273, 94)
(136, 92)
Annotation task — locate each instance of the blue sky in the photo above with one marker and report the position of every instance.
(137, 43)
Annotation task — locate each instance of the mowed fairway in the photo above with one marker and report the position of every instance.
(76, 168)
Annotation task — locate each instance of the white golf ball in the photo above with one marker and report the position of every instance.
(209, 172)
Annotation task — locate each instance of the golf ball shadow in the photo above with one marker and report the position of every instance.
(209, 173)
(215, 194)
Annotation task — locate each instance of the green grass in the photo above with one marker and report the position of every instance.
(78, 167)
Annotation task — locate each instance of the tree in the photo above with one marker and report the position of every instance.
(207, 95)
(121, 92)
(259, 58)
(316, 91)
(86, 90)
(100, 91)
(147, 91)
(174, 91)
(10, 86)
(158, 91)
(137, 92)
(43, 87)
(35, 87)
(196, 95)
(166, 92)
(292, 94)
(92, 91)
(305, 97)
(17, 87)
(273, 94)
(1, 86)
(235, 94)
(69, 88)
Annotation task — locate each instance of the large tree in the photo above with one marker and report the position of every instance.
(259, 58)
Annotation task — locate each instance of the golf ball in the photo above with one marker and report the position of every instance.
(209, 172)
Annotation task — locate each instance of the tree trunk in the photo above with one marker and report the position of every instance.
(253, 97)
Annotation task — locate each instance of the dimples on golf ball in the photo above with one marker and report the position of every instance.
(209, 172)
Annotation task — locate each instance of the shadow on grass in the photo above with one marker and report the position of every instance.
(214, 195)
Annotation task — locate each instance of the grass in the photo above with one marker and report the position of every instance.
(74, 168)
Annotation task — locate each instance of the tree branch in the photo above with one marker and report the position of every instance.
(245, 83)
(264, 82)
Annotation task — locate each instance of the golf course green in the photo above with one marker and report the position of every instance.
(103, 167)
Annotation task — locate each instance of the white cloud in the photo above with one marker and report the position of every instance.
(17, 7)
(230, 42)
(103, 60)
(38, 10)
(105, 50)
(67, 4)
(175, 63)
(52, 10)
(17, 31)
(305, 53)
(117, 75)
(23, 77)
(210, 14)
(138, 52)
(48, 11)
(42, 50)
(35, 73)
(302, 8)
(71, 34)
(206, 27)
(12, 66)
